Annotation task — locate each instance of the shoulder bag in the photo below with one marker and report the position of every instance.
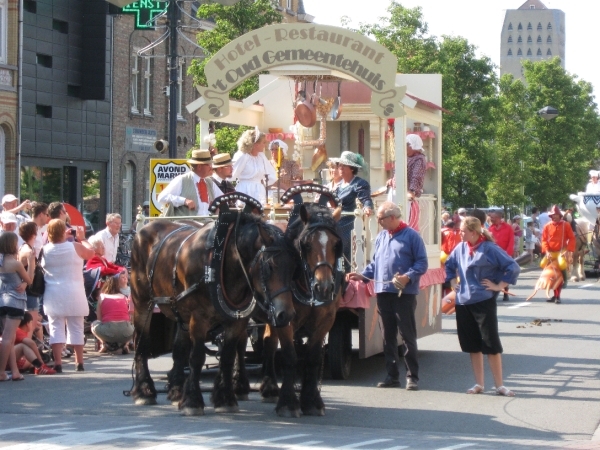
(38, 285)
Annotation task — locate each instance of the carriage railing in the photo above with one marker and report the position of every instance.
(366, 229)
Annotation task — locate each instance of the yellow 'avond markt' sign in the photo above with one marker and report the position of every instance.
(302, 43)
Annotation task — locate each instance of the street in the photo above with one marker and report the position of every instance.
(552, 364)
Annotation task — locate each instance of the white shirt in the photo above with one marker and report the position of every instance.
(39, 240)
(111, 244)
(543, 218)
(593, 188)
(250, 172)
(171, 194)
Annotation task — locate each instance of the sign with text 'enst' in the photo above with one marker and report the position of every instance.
(162, 171)
(144, 11)
(308, 44)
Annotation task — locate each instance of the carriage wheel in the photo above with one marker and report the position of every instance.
(339, 350)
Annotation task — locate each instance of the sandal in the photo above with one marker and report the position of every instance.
(504, 391)
(19, 378)
(476, 389)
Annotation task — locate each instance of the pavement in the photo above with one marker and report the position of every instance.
(551, 360)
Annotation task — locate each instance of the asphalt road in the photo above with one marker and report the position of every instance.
(553, 367)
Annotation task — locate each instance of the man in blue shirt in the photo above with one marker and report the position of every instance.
(399, 261)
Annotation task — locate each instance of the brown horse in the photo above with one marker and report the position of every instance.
(202, 277)
(317, 289)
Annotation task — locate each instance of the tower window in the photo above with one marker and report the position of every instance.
(510, 26)
(519, 53)
(510, 39)
(549, 52)
(519, 40)
(539, 27)
(539, 40)
(549, 27)
(509, 52)
(529, 27)
(520, 27)
(529, 40)
(549, 40)
(539, 52)
(529, 52)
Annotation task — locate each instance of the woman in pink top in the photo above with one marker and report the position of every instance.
(114, 323)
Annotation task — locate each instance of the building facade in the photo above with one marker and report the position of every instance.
(140, 105)
(9, 76)
(531, 32)
(65, 139)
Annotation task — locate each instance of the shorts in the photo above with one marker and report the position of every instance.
(529, 245)
(477, 327)
(33, 303)
(12, 313)
(119, 332)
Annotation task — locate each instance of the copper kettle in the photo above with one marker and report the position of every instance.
(305, 110)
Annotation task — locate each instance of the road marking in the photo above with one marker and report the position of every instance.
(31, 428)
(282, 438)
(400, 447)
(587, 285)
(362, 444)
(454, 447)
(519, 305)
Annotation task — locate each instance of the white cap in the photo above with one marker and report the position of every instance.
(461, 210)
(593, 173)
(146, 203)
(8, 217)
(8, 198)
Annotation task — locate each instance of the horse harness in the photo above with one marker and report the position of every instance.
(218, 240)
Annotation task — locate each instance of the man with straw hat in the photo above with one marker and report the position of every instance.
(190, 194)
(222, 170)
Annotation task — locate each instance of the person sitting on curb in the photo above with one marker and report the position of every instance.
(23, 336)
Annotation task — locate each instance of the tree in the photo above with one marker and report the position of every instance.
(468, 92)
(231, 22)
(564, 149)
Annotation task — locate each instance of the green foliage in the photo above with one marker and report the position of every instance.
(226, 136)
(231, 22)
(468, 89)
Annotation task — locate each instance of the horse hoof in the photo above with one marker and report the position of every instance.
(314, 412)
(289, 413)
(242, 397)
(187, 411)
(145, 401)
(227, 409)
(270, 399)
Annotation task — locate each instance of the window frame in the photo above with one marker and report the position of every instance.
(3, 32)
(147, 85)
(180, 87)
(134, 83)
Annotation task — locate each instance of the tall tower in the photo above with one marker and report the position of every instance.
(531, 32)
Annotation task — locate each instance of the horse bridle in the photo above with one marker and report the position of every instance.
(309, 274)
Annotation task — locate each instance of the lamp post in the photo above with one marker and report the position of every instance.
(548, 113)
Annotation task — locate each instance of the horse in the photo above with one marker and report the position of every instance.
(203, 276)
(581, 248)
(317, 288)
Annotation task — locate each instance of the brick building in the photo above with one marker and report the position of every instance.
(140, 108)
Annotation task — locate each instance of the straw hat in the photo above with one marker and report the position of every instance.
(200, 157)
(222, 160)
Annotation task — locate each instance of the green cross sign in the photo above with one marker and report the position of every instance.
(144, 10)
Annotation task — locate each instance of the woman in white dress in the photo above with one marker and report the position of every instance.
(250, 165)
(65, 301)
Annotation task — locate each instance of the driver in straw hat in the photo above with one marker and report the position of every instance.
(191, 193)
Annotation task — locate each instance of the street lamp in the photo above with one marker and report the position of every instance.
(548, 112)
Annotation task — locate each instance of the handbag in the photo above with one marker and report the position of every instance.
(38, 285)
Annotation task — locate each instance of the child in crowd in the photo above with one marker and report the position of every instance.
(13, 281)
(32, 357)
(531, 238)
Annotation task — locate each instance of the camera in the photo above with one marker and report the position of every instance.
(73, 232)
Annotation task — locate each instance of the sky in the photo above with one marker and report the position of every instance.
(480, 22)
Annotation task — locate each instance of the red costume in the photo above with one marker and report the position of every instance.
(106, 268)
(504, 236)
(450, 239)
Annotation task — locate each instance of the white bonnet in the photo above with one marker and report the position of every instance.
(415, 141)
(281, 144)
(594, 173)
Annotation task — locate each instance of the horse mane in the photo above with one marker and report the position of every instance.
(317, 214)
(249, 232)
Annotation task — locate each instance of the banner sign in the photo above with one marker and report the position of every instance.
(302, 43)
(162, 171)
